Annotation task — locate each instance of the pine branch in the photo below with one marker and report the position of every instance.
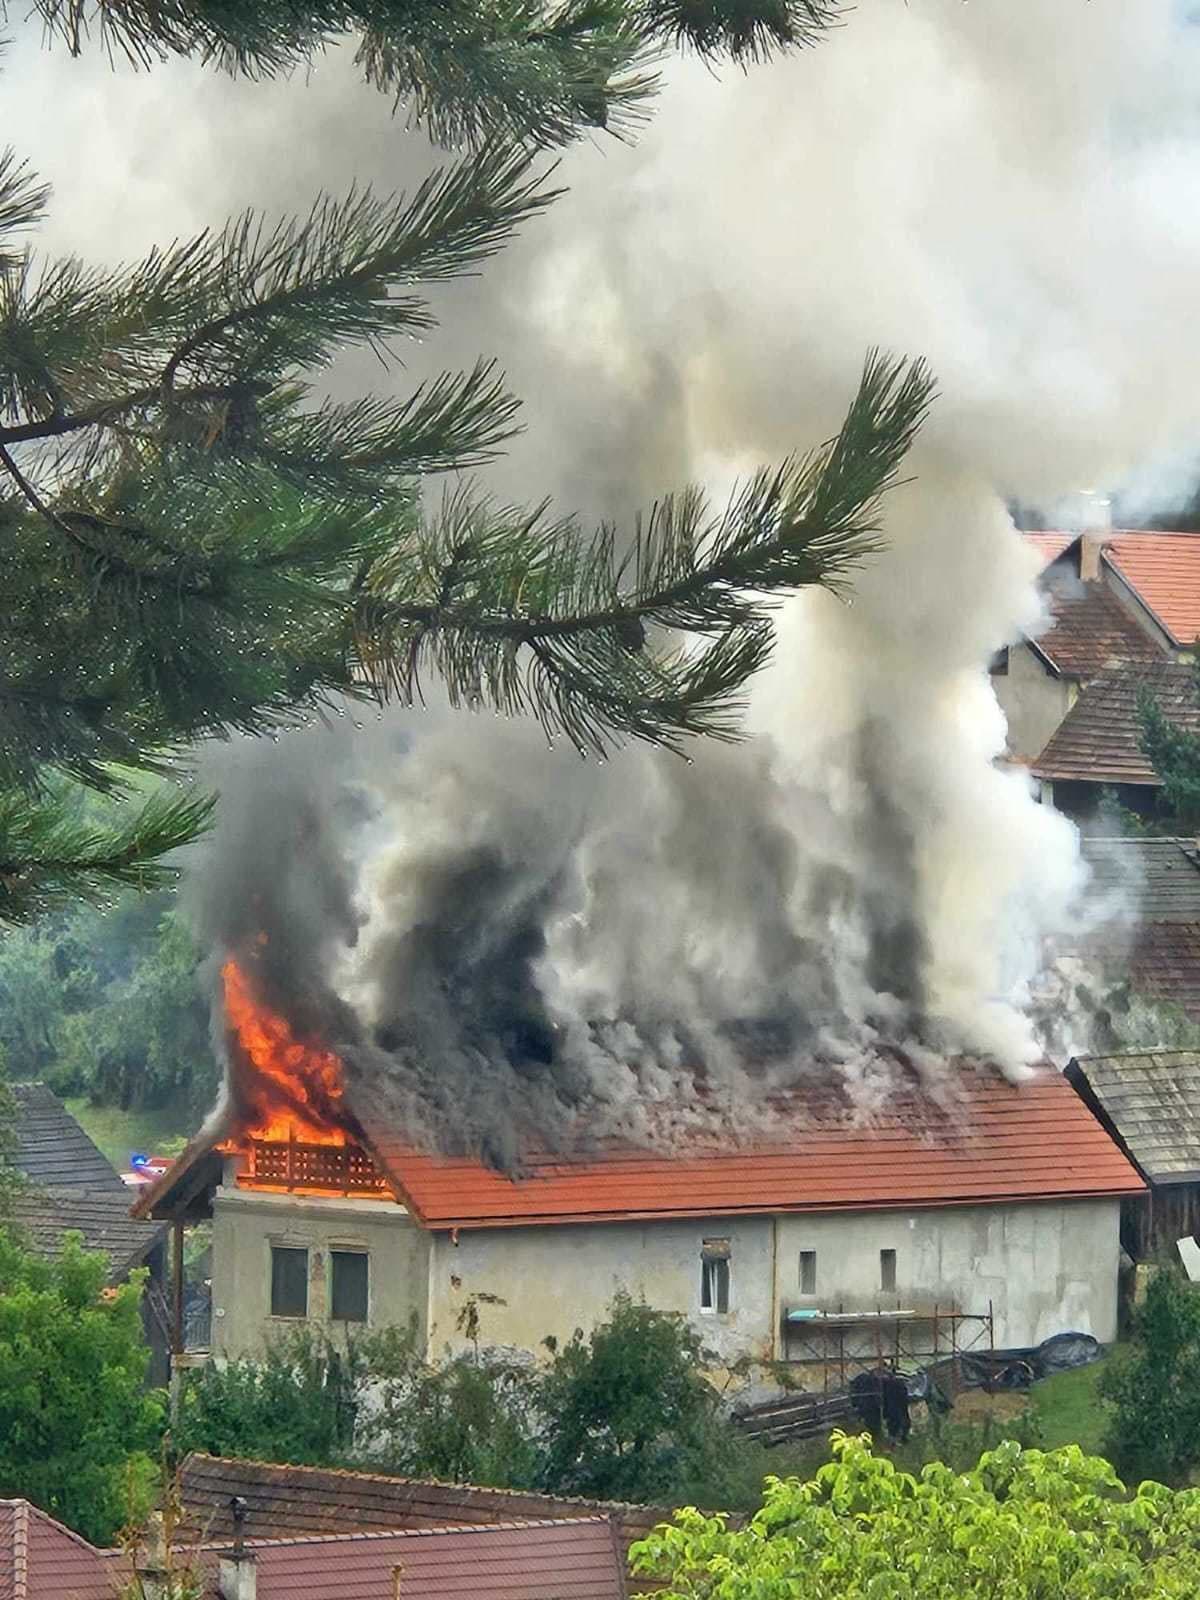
(23, 201)
(516, 610)
(745, 30)
(48, 855)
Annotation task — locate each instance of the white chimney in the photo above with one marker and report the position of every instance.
(236, 1577)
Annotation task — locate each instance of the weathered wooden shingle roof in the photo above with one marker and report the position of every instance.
(46, 1215)
(1151, 1101)
(1098, 741)
(1160, 878)
(51, 1147)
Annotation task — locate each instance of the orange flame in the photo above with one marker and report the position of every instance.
(291, 1090)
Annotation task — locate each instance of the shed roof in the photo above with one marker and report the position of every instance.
(323, 1500)
(102, 1218)
(1163, 569)
(1151, 1099)
(1160, 877)
(51, 1147)
(1098, 739)
(42, 1560)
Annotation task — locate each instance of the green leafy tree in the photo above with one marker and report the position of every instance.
(1022, 1525)
(1174, 753)
(193, 545)
(1154, 1385)
(463, 69)
(627, 1410)
(78, 1429)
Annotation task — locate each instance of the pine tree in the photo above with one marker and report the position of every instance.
(462, 69)
(193, 543)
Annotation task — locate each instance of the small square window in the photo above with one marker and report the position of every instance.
(887, 1271)
(714, 1275)
(349, 1289)
(808, 1272)
(289, 1281)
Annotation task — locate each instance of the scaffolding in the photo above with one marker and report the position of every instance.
(842, 1343)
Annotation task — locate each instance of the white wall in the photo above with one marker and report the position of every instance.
(557, 1279)
(1046, 1266)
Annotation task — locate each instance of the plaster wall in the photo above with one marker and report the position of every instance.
(559, 1278)
(1047, 1267)
(247, 1223)
(1033, 700)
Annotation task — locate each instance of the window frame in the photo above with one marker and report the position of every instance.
(304, 1250)
(807, 1258)
(716, 1277)
(888, 1263)
(365, 1255)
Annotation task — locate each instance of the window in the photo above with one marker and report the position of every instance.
(887, 1271)
(289, 1281)
(999, 664)
(714, 1275)
(348, 1295)
(808, 1272)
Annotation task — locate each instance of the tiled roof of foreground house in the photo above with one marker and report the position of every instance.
(1097, 740)
(560, 1560)
(308, 1500)
(1151, 1099)
(42, 1560)
(565, 1559)
(994, 1141)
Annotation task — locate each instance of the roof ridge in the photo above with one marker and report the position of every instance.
(434, 1483)
(365, 1534)
(20, 1549)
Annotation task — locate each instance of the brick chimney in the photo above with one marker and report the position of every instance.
(237, 1578)
(1096, 522)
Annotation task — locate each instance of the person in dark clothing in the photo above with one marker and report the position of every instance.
(866, 1396)
(895, 1407)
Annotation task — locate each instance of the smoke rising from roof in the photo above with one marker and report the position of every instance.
(496, 932)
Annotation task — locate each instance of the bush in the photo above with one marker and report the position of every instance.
(1154, 1386)
(297, 1403)
(1024, 1524)
(78, 1431)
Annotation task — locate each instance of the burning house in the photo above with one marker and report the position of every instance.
(972, 1198)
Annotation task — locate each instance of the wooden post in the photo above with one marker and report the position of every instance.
(177, 1288)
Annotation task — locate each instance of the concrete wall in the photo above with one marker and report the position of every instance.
(1046, 1266)
(557, 1279)
(1033, 700)
(247, 1223)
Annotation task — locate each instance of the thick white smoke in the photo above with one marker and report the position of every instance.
(1008, 188)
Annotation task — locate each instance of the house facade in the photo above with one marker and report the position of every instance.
(1002, 1204)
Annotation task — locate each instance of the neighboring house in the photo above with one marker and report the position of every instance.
(73, 1187)
(1150, 1102)
(1124, 611)
(1151, 935)
(326, 1500)
(576, 1559)
(993, 1196)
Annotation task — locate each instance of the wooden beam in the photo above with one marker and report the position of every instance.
(177, 1288)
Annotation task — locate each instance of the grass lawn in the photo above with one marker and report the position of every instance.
(120, 1133)
(1068, 1409)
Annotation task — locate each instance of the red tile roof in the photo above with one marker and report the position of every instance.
(1091, 632)
(561, 1560)
(1098, 739)
(1049, 545)
(42, 1560)
(1164, 570)
(995, 1142)
(290, 1499)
